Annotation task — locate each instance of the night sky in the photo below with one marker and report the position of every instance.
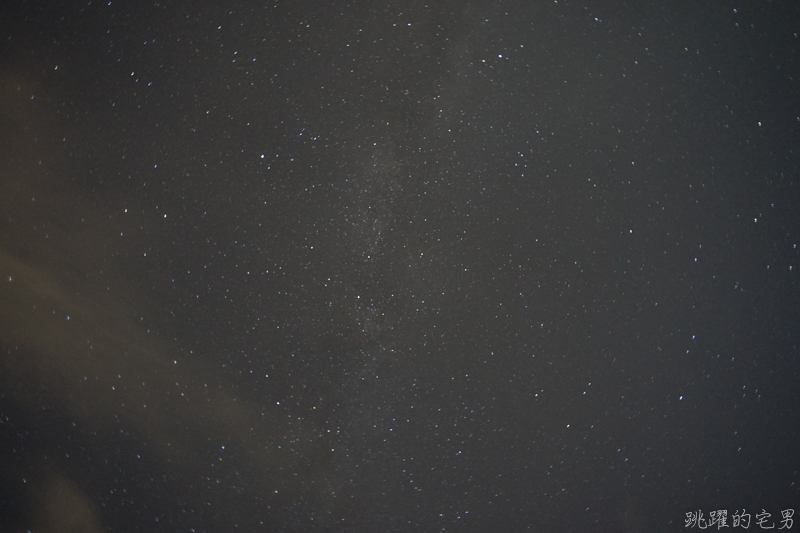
(397, 266)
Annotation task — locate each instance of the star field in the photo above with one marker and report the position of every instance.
(397, 266)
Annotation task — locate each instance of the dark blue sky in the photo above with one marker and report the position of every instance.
(396, 266)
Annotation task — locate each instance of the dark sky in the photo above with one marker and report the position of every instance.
(396, 266)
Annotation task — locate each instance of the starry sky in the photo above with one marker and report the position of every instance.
(397, 266)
